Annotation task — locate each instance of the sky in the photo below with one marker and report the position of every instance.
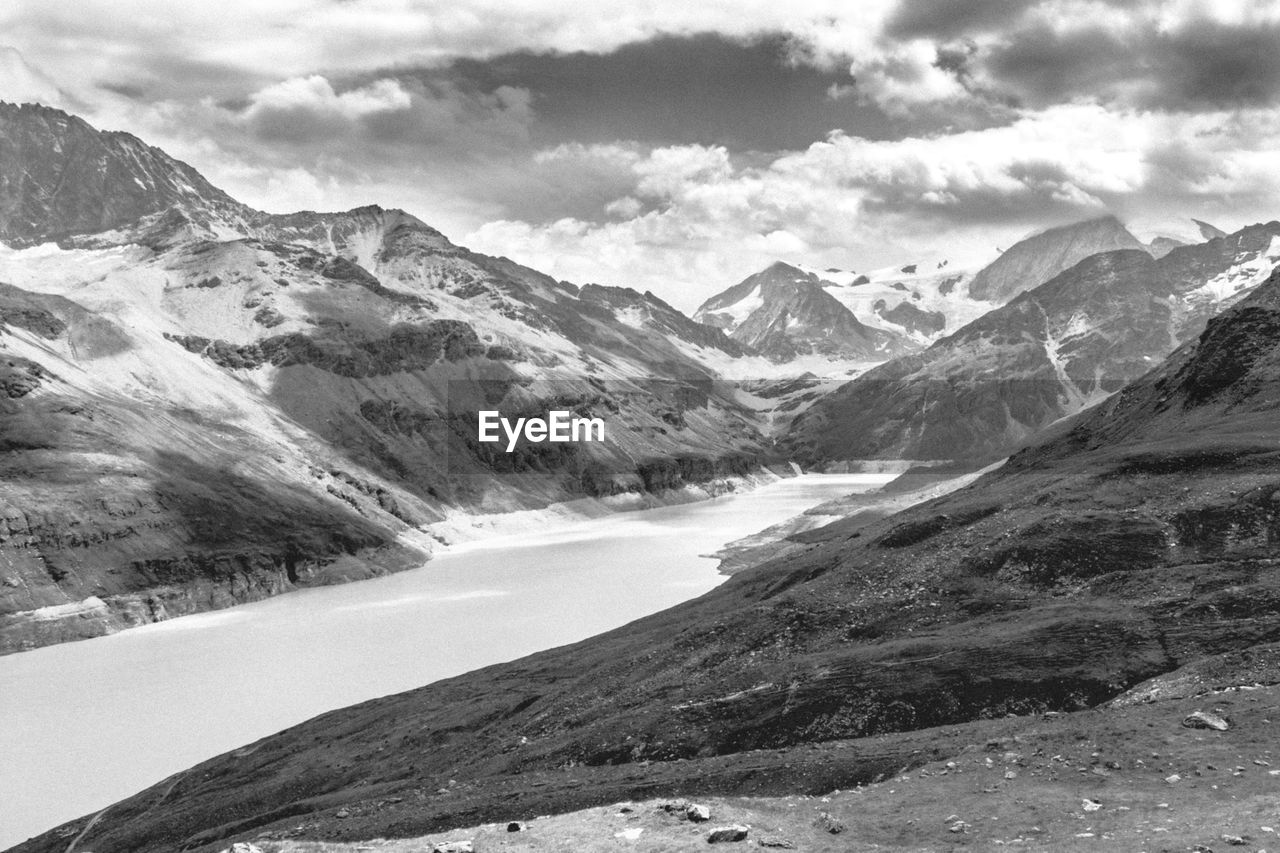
(679, 146)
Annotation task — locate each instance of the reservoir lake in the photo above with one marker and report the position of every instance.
(85, 724)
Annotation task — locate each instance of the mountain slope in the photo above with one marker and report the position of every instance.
(981, 392)
(783, 312)
(331, 365)
(1139, 541)
(1033, 261)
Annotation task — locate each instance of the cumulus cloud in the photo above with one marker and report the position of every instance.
(316, 94)
(903, 77)
(306, 106)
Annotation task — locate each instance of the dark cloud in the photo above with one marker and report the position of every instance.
(703, 89)
(165, 76)
(1203, 65)
(1041, 66)
(1212, 64)
(124, 90)
(947, 19)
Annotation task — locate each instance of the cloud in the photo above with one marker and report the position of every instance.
(21, 82)
(948, 19)
(1190, 63)
(906, 76)
(694, 220)
(678, 146)
(306, 106)
(316, 94)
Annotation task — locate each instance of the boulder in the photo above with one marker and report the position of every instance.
(734, 832)
(1204, 720)
(830, 823)
(697, 813)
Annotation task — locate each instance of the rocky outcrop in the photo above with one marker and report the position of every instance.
(913, 319)
(403, 349)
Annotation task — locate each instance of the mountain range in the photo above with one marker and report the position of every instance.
(984, 390)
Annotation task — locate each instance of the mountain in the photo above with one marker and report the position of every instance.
(989, 387)
(1136, 542)
(1033, 261)
(783, 312)
(206, 404)
(60, 177)
(1209, 232)
(1163, 245)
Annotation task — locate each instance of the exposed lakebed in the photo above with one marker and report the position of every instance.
(84, 724)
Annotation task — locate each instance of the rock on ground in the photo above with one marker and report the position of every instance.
(735, 832)
(1204, 720)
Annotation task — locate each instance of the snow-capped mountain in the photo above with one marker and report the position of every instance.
(783, 312)
(984, 390)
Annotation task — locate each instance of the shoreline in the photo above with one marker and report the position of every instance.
(413, 548)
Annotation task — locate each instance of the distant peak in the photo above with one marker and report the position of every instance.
(1207, 231)
(783, 266)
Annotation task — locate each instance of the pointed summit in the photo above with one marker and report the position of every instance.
(1209, 232)
(783, 312)
(1033, 261)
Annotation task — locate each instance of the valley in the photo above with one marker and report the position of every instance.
(216, 420)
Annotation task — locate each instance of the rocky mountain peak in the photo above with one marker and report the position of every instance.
(1031, 262)
(1207, 231)
(783, 312)
(60, 177)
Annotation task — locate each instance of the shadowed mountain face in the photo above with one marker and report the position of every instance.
(1139, 540)
(1033, 261)
(983, 391)
(60, 177)
(783, 312)
(182, 367)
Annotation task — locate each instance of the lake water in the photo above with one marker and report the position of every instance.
(85, 724)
